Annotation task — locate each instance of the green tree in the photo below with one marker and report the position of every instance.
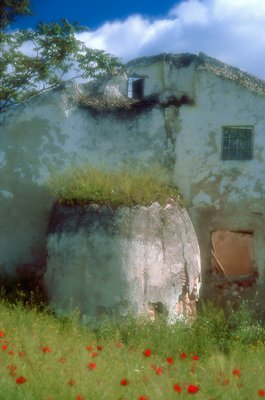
(54, 51)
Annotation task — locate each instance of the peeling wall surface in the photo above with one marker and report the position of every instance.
(139, 260)
(222, 194)
(187, 101)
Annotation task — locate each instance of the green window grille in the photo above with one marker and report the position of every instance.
(237, 143)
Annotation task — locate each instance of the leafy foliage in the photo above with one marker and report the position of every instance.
(53, 51)
(10, 10)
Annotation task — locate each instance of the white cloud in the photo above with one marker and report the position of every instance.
(191, 12)
(231, 30)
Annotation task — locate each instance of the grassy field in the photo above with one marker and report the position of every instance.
(48, 358)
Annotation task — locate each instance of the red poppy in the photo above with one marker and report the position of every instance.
(46, 349)
(95, 354)
(79, 397)
(71, 382)
(11, 353)
(147, 353)
(261, 393)
(89, 348)
(183, 355)
(170, 360)
(177, 388)
(159, 371)
(99, 347)
(195, 358)
(124, 382)
(92, 366)
(2, 333)
(4, 347)
(236, 372)
(143, 398)
(20, 380)
(193, 389)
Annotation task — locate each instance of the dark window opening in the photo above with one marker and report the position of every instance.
(232, 254)
(237, 143)
(135, 88)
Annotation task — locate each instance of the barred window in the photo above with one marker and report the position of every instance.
(237, 143)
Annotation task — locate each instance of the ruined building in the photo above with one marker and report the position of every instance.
(202, 119)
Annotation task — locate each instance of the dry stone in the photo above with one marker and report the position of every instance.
(116, 261)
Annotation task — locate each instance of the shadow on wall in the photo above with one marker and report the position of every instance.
(25, 209)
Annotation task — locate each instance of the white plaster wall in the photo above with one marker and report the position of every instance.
(222, 194)
(47, 134)
(166, 80)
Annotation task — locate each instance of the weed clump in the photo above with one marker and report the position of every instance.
(83, 185)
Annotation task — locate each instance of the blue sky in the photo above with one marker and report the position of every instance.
(94, 13)
(232, 31)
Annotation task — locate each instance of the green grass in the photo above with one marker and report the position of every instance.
(125, 187)
(223, 357)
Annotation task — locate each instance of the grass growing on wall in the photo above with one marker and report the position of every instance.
(119, 187)
(45, 358)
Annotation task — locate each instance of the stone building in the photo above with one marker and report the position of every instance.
(202, 119)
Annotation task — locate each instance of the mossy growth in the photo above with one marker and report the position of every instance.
(121, 187)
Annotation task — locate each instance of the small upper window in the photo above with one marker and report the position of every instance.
(135, 88)
(237, 143)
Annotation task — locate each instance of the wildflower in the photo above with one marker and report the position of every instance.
(46, 349)
(124, 382)
(177, 388)
(147, 353)
(92, 366)
(195, 358)
(4, 346)
(261, 393)
(89, 348)
(183, 355)
(79, 397)
(11, 353)
(193, 389)
(100, 348)
(71, 382)
(20, 380)
(143, 398)
(95, 354)
(2, 333)
(236, 372)
(159, 371)
(170, 360)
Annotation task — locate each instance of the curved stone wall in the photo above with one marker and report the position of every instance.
(139, 260)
